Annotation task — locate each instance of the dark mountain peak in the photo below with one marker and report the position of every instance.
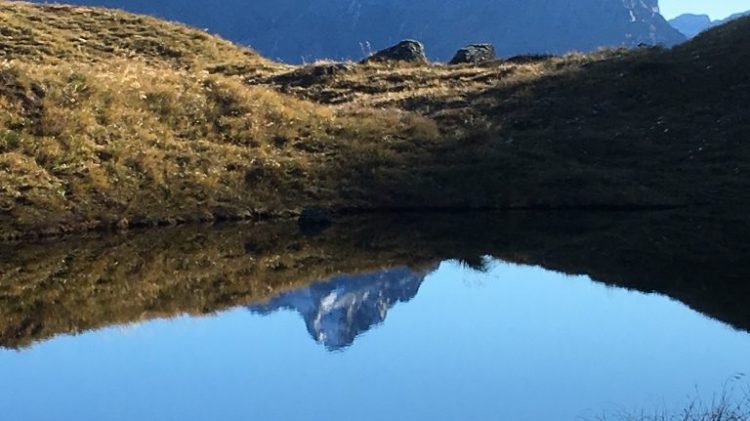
(339, 310)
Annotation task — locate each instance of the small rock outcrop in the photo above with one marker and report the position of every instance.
(529, 58)
(312, 75)
(313, 221)
(474, 54)
(407, 51)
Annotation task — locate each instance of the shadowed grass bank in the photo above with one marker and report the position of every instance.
(726, 407)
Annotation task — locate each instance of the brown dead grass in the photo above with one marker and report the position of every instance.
(139, 136)
(60, 34)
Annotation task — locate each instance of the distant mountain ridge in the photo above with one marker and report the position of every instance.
(691, 25)
(302, 30)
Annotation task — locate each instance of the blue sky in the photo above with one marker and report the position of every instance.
(717, 9)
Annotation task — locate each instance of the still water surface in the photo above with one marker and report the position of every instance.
(511, 342)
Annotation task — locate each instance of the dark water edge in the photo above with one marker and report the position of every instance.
(72, 285)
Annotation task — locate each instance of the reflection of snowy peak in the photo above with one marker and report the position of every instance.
(339, 310)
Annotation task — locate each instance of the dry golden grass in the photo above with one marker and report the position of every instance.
(429, 88)
(125, 140)
(143, 137)
(60, 34)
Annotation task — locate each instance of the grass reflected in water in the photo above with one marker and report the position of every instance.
(77, 284)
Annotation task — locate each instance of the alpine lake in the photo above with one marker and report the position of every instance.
(446, 316)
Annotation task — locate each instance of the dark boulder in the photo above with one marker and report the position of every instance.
(311, 75)
(474, 54)
(407, 51)
(529, 58)
(313, 221)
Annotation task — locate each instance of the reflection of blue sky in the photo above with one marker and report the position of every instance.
(516, 343)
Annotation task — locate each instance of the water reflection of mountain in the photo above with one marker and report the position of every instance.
(77, 284)
(339, 310)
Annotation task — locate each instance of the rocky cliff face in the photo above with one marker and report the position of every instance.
(339, 310)
(304, 30)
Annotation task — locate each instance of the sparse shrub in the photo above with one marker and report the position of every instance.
(9, 140)
(75, 90)
(52, 122)
(162, 103)
(227, 103)
(729, 406)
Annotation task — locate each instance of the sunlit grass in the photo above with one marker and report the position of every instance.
(146, 132)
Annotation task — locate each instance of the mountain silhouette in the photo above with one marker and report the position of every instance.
(691, 25)
(303, 30)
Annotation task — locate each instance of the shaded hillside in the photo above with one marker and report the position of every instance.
(77, 284)
(618, 128)
(297, 30)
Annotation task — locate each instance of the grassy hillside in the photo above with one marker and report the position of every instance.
(110, 119)
(114, 119)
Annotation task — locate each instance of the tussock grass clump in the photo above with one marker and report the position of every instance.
(727, 407)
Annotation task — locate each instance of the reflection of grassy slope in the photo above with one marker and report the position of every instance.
(109, 118)
(74, 285)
